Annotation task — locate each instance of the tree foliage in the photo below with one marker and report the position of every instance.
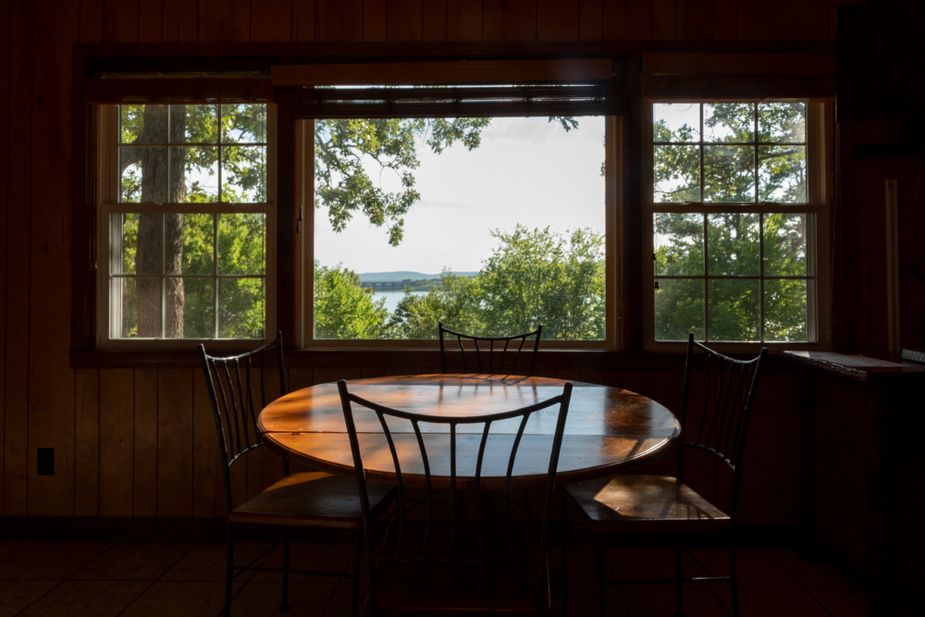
(532, 277)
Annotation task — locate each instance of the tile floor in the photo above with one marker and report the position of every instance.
(177, 579)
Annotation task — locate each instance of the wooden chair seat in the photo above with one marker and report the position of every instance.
(310, 499)
(640, 503)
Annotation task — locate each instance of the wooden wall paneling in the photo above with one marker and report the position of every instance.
(144, 471)
(664, 20)
(19, 197)
(557, 20)
(51, 404)
(208, 482)
(339, 20)
(303, 21)
(761, 494)
(403, 20)
(433, 20)
(324, 375)
(264, 466)
(120, 21)
(116, 442)
(509, 20)
(91, 21)
(374, 20)
(175, 442)
(627, 20)
(271, 21)
(150, 21)
(725, 20)
(695, 20)
(180, 21)
(801, 20)
(5, 148)
(756, 20)
(87, 443)
(590, 20)
(464, 20)
(225, 21)
(299, 378)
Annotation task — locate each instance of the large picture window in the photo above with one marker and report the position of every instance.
(491, 225)
(735, 197)
(186, 205)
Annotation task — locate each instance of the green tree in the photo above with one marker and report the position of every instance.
(345, 148)
(343, 309)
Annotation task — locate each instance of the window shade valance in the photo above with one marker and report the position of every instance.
(452, 88)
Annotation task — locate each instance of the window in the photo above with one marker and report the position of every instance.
(489, 224)
(186, 204)
(735, 195)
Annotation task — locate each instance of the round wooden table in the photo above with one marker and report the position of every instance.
(606, 427)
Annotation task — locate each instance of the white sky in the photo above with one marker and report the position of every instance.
(527, 170)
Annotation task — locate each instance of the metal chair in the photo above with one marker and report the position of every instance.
(239, 387)
(512, 355)
(718, 392)
(492, 559)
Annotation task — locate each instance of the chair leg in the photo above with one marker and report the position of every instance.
(601, 577)
(284, 601)
(734, 580)
(678, 583)
(229, 570)
(563, 545)
(355, 600)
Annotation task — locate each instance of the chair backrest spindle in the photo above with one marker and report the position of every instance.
(511, 355)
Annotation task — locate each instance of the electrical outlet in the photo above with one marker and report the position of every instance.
(45, 461)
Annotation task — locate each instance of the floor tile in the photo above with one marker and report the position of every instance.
(262, 599)
(15, 595)
(86, 598)
(49, 560)
(179, 599)
(844, 603)
(133, 561)
(780, 602)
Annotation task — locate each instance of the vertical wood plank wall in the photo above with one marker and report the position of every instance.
(140, 442)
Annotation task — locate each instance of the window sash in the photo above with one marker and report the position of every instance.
(304, 254)
(815, 208)
(108, 205)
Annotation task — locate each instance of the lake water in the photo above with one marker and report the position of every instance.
(392, 298)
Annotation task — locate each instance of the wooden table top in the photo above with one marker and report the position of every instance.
(606, 427)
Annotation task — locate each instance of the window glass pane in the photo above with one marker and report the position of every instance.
(679, 244)
(190, 307)
(188, 243)
(142, 124)
(785, 244)
(782, 174)
(141, 246)
(734, 244)
(676, 122)
(244, 123)
(123, 294)
(678, 309)
(242, 243)
(734, 310)
(728, 174)
(677, 174)
(244, 174)
(729, 122)
(241, 308)
(193, 124)
(782, 122)
(785, 308)
(194, 174)
(491, 225)
(142, 174)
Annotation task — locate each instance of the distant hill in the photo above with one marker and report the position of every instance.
(403, 275)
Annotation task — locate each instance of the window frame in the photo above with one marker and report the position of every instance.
(819, 157)
(105, 120)
(303, 226)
